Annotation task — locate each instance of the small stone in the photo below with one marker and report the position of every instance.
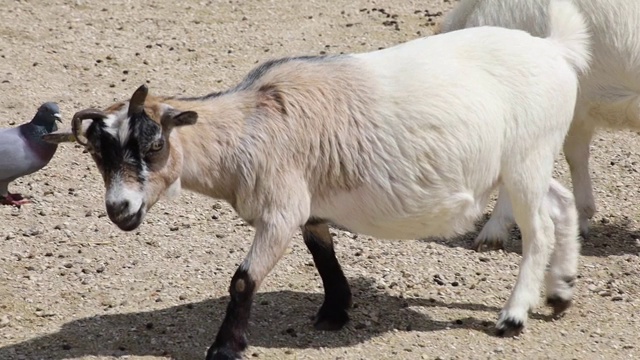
(4, 321)
(617, 298)
(484, 259)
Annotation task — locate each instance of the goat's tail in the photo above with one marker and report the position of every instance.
(568, 28)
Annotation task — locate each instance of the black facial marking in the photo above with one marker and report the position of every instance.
(114, 157)
(337, 293)
(231, 339)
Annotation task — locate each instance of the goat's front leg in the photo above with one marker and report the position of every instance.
(269, 244)
(337, 294)
(495, 233)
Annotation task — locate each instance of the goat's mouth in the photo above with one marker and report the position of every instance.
(128, 222)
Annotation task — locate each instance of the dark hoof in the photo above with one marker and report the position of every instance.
(558, 305)
(331, 320)
(509, 328)
(223, 353)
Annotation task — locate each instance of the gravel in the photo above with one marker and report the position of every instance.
(72, 286)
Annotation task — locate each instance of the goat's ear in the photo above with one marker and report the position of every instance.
(60, 136)
(175, 118)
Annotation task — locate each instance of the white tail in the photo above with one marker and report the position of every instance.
(568, 27)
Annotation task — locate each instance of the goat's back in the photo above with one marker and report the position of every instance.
(614, 27)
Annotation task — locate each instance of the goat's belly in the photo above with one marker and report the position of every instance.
(394, 218)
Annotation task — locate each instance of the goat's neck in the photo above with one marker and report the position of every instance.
(208, 147)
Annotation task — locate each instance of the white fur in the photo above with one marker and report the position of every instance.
(610, 91)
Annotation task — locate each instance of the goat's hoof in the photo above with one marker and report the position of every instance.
(584, 229)
(223, 353)
(509, 327)
(559, 305)
(331, 319)
(584, 234)
(483, 245)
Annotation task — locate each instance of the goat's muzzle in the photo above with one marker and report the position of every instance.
(119, 215)
(76, 122)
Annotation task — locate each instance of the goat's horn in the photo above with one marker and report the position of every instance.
(76, 121)
(136, 104)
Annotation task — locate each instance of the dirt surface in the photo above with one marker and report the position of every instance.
(73, 286)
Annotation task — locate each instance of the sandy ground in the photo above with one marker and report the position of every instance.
(72, 286)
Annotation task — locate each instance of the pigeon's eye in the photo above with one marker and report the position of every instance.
(157, 145)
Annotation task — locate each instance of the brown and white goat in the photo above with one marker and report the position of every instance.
(401, 143)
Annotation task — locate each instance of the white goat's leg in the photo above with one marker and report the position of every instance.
(270, 242)
(564, 259)
(576, 150)
(495, 233)
(337, 293)
(537, 229)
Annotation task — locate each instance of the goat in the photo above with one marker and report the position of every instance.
(609, 92)
(400, 143)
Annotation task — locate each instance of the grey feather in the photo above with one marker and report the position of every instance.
(22, 151)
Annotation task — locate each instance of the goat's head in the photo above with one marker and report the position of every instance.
(130, 143)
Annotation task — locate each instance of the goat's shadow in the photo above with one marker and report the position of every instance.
(605, 238)
(279, 319)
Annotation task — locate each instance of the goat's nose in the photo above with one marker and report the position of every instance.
(117, 208)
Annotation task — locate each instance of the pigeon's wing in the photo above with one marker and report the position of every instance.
(16, 157)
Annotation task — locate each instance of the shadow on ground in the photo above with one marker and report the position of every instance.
(280, 319)
(605, 239)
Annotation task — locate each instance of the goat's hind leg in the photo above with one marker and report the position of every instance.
(563, 269)
(337, 293)
(527, 192)
(576, 150)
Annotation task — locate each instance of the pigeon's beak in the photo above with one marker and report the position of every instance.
(58, 117)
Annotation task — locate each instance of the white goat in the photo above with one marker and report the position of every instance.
(400, 143)
(609, 92)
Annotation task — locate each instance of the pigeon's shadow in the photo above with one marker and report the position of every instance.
(605, 239)
(279, 319)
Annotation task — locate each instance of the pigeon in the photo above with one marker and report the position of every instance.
(23, 152)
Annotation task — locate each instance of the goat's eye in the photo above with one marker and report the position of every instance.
(157, 145)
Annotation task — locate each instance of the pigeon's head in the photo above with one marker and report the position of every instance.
(47, 115)
(134, 146)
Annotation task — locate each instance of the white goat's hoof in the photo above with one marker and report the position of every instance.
(510, 325)
(486, 241)
(559, 305)
(584, 228)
